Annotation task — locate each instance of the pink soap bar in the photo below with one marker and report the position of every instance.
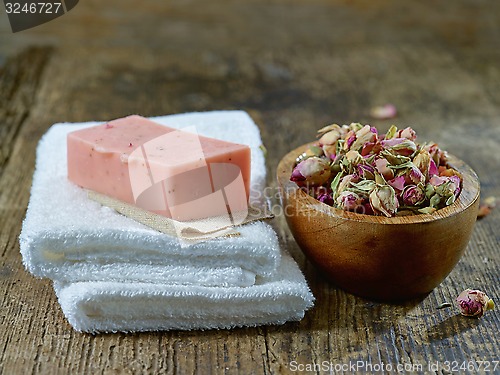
(175, 173)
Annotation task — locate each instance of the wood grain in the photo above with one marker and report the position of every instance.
(294, 67)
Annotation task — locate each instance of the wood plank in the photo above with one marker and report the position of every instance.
(19, 80)
(303, 79)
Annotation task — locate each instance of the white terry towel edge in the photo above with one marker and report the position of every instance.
(132, 307)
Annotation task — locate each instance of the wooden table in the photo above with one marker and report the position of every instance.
(294, 66)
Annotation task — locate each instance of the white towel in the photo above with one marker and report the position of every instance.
(127, 307)
(113, 274)
(67, 237)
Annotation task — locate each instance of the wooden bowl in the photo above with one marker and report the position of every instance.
(376, 257)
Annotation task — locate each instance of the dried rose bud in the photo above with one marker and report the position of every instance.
(353, 157)
(446, 186)
(349, 201)
(330, 137)
(354, 126)
(413, 195)
(325, 198)
(383, 199)
(422, 161)
(312, 171)
(491, 201)
(345, 182)
(364, 135)
(382, 166)
(474, 303)
(330, 151)
(384, 112)
(442, 190)
(407, 133)
(415, 175)
(439, 156)
(326, 129)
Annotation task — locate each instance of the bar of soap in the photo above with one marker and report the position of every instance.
(175, 173)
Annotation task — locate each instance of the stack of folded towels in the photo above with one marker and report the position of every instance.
(112, 273)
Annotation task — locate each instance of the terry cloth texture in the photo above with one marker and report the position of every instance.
(95, 254)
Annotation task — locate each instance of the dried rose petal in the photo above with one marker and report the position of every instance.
(433, 170)
(349, 140)
(399, 146)
(483, 211)
(474, 303)
(388, 143)
(368, 147)
(312, 171)
(397, 183)
(437, 180)
(384, 112)
(491, 201)
(448, 172)
(486, 206)
(382, 167)
(366, 171)
(456, 181)
(415, 175)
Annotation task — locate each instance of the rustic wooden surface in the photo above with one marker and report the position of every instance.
(294, 66)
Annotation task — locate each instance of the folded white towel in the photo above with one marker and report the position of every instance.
(113, 274)
(110, 307)
(67, 237)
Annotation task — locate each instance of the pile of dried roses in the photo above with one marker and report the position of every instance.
(354, 168)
